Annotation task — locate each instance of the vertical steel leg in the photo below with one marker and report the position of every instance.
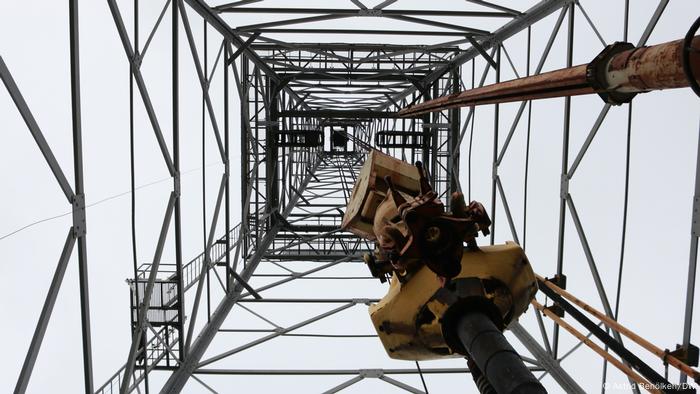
(176, 162)
(693, 261)
(494, 173)
(79, 198)
(564, 168)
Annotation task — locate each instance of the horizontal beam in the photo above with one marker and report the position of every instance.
(354, 47)
(375, 64)
(310, 300)
(362, 32)
(344, 75)
(358, 12)
(331, 113)
(408, 371)
(306, 256)
(368, 92)
(277, 333)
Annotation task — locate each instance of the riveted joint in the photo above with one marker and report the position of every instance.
(176, 184)
(136, 61)
(564, 186)
(79, 222)
(371, 373)
(369, 12)
(358, 301)
(696, 216)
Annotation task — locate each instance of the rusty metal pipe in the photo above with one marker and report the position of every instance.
(662, 354)
(622, 72)
(656, 67)
(614, 361)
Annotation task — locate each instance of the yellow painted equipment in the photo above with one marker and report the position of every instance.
(435, 279)
(410, 320)
(370, 190)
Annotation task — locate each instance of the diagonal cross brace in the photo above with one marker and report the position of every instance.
(134, 60)
(242, 48)
(202, 80)
(207, 262)
(23, 109)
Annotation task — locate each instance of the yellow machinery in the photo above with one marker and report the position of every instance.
(445, 299)
(410, 318)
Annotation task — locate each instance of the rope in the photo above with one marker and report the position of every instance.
(97, 203)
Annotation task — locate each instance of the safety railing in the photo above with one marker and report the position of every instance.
(288, 245)
(155, 353)
(160, 308)
(193, 269)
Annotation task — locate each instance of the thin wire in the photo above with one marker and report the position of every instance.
(32, 224)
(624, 228)
(422, 379)
(471, 139)
(626, 199)
(97, 202)
(624, 215)
(527, 144)
(349, 336)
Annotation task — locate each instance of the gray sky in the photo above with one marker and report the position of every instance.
(34, 45)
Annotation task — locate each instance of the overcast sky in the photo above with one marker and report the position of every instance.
(34, 45)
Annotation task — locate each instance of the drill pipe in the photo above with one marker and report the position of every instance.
(631, 71)
(495, 357)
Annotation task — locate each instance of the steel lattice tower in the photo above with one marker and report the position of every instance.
(307, 114)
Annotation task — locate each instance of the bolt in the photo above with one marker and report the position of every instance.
(432, 234)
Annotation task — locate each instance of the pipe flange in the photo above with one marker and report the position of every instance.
(687, 49)
(596, 69)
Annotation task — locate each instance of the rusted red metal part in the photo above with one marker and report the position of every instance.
(635, 70)
(412, 232)
(652, 68)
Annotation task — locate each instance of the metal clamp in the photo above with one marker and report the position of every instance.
(688, 355)
(687, 49)
(596, 70)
